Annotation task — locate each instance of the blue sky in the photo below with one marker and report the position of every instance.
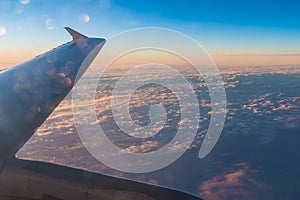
(224, 28)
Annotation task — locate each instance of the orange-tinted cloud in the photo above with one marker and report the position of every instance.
(237, 183)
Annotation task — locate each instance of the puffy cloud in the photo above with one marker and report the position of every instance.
(235, 184)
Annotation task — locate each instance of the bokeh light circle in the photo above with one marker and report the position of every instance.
(2, 30)
(84, 18)
(50, 24)
(91, 133)
(24, 2)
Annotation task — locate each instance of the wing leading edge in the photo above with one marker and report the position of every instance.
(29, 92)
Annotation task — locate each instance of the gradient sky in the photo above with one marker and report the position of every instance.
(233, 32)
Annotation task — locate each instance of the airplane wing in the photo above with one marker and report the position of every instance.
(39, 180)
(29, 93)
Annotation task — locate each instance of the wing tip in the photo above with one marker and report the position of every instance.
(77, 37)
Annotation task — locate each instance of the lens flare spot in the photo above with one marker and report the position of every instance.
(50, 24)
(19, 9)
(68, 82)
(24, 2)
(2, 30)
(84, 18)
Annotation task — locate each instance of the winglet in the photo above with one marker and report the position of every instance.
(77, 37)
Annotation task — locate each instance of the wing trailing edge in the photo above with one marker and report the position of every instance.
(39, 180)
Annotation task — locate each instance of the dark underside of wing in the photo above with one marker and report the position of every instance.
(23, 179)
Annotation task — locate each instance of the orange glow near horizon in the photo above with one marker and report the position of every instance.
(14, 57)
(219, 59)
(11, 57)
(255, 59)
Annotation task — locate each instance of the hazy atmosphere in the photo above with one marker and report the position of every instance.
(254, 44)
(235, 33)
